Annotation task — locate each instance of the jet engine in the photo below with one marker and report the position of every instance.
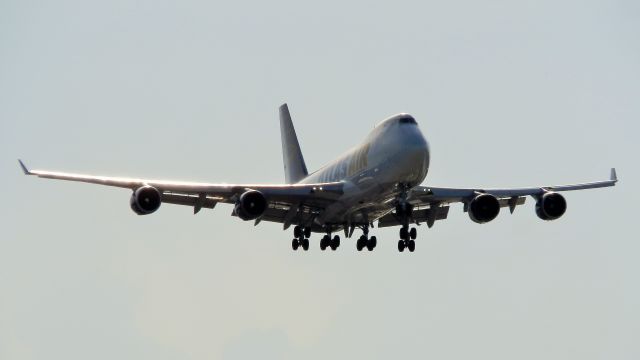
(251, 205)
(483, 208)
(145, 200)
(551, 206)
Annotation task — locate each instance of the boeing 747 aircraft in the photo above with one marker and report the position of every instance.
(376, 181)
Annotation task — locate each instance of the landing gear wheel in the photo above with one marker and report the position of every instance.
(335, 242)
(324, 242)
(305, 244)
(413, 233)
(307, 232)
(371, 244)
(411, 245)
(294, 244)
(297, 231)
(404, 233)
(401, 245)
(362, 242)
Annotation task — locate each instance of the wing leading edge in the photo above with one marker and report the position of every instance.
(428, 194)
(207, 195)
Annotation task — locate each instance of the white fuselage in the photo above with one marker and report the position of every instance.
(394, 153)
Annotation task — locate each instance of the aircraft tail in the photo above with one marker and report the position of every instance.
(294, 166)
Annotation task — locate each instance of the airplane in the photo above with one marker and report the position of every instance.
(377, 181)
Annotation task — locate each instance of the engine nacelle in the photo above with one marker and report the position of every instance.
(145, 200)
(551, 206)
(483, 208)
(251, 205)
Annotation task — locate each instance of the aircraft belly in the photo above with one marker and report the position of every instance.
(362, 202)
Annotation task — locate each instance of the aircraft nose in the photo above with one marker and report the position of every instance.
(420, 153)
(416, 142)
(417, 153)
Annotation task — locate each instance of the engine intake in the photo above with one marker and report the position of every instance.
(251, 205)
(484, 208)
(145, 200)
(551, 206)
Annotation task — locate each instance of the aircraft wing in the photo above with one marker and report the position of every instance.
(439, 196)
(281, 198)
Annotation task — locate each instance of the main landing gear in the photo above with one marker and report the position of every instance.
(405, 211)
(366, 241)
(301, 238)
(407, 239)
(327, 241)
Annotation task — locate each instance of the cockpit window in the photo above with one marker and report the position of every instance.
(408, 120)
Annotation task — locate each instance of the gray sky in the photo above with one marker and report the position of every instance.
(508, 94)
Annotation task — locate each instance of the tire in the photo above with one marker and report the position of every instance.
(305, 244)
(404, 233)
(307, 232)
(372, 243)
(413, 233)
(362, 242)
(324, 242)
(297, 232)
(411, 245)
(294, 244)
(401, 245)
(335, 242)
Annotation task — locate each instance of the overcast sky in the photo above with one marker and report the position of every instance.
(508, 93)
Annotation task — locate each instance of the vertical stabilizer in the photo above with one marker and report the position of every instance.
(294, 166)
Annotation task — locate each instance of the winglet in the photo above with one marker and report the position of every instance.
(614, 176)
(24, 168)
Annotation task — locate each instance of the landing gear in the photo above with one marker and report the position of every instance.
(407, 234)
(404, 210)
(301, 238)
(408, 244)
(303, 243)
(407, 239)
(327, 241)
(365, 241)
